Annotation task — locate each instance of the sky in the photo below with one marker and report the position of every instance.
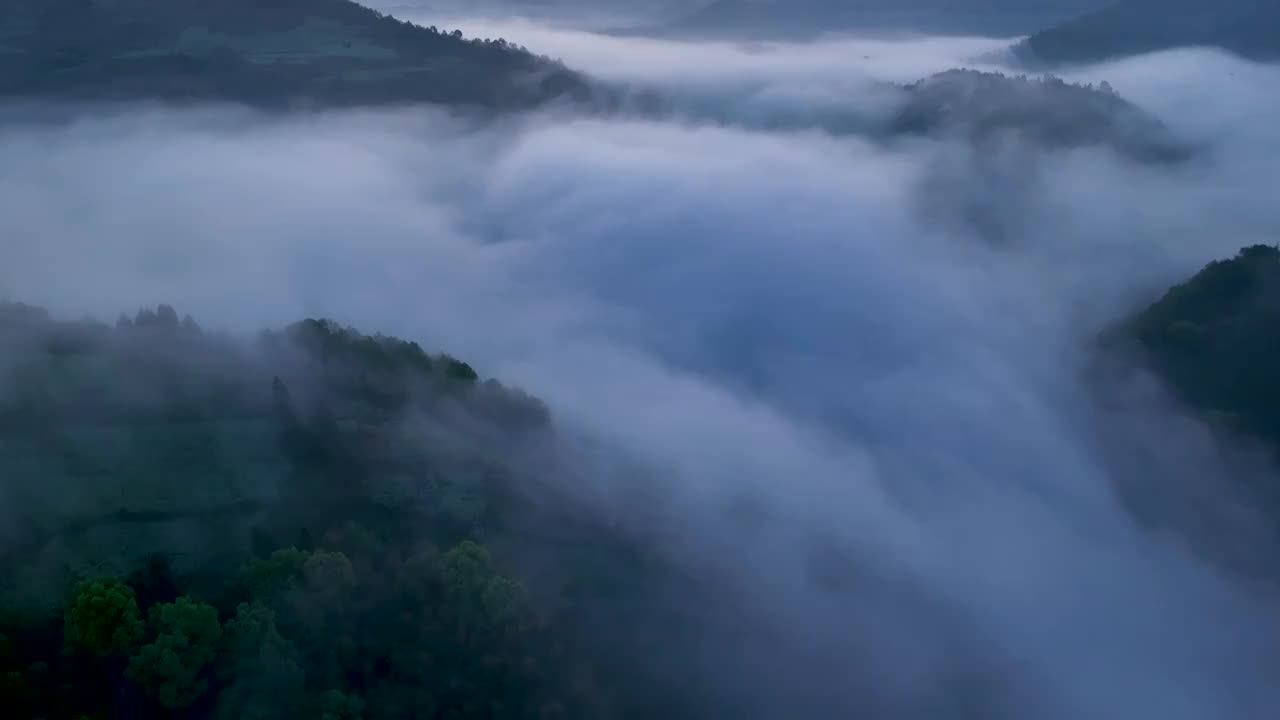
(784, 320)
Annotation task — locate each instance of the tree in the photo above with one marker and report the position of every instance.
(259, 666)
(103, 618)
(337, 705)
(267, 578)
(479, 595)
(187, 633)
(329, 574)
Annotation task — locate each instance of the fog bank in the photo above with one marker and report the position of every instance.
(869, 416)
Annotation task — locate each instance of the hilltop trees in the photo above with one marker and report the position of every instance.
(1213, 338)
(186, 634)
(294, 527)
(1050, 112)
(103, 618)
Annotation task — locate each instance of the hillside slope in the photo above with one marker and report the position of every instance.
(1214, 340)
(343, 517)
(262, 52)
(1250, 28)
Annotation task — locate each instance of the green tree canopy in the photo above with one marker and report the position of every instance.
(103, 618)
(171, 667)
(337, 705)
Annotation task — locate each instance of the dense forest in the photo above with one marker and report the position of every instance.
(315, 524)
(267, 52)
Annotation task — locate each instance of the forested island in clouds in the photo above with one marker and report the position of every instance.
(1047, 111)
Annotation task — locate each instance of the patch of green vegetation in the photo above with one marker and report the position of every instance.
(345, 574)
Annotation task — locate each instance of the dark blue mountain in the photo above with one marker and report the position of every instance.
(810, 17)
(263, 52)
(1250, 28)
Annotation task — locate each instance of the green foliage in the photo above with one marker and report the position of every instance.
(382, 462)
(483, 597)
(337, 705)
(186, 637)
(389, 366)
(259, 666)
(328, 573)
(323, 575)
(103, 618)
(265, 579)
(253, 626)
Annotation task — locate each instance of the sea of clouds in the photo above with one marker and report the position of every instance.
(801, 323)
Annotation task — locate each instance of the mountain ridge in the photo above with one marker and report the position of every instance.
(1250, 28)
(327, 52)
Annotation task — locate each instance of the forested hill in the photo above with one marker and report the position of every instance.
(316, 523)
(1250, 28)
(1216, 339)
(1047, 111)
(262, 52)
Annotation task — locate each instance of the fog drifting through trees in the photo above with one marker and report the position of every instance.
(861, 413)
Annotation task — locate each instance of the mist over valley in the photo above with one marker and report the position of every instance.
(511, 365)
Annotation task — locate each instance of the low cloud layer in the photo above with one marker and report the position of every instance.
(869, 418)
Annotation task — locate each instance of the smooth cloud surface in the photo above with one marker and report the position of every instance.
(798, 322)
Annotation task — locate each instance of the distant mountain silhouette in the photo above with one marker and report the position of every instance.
(775, 18)
(262, 52)
(1248, 27)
